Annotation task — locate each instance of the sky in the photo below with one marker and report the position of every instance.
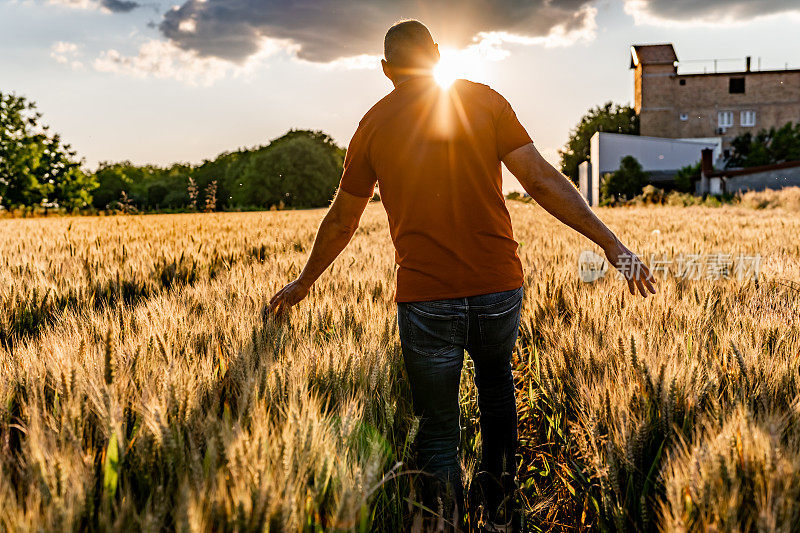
(157, 82)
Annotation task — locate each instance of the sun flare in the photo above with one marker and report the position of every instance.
(456, 64)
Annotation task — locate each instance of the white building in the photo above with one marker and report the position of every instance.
(661, 157)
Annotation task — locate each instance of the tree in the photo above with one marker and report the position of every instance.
(112, 180)
(299, 169)
(624, 183)
(766, 147)
(685, 176)
(609, 117)
(35, 167)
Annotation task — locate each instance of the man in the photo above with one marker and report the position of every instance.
(436, 155)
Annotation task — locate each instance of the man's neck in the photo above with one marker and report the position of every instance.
(397, 80)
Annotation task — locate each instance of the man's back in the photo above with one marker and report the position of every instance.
(436, 155)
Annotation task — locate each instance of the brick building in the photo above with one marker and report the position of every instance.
(718, 104)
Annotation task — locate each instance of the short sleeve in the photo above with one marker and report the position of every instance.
(358, 177)
(510, 134)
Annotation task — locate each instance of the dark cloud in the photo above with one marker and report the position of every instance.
(709, 10)
(329, 29)
(120, 6)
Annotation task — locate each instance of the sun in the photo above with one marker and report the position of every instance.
(455, 64)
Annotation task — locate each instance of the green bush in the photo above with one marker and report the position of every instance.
(677, 198)
(625, 183)
(651, 195)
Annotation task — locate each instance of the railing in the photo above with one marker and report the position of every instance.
(721, 65)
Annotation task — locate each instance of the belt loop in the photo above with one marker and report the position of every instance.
(466, 321)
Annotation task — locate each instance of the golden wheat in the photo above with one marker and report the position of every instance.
(143, 387)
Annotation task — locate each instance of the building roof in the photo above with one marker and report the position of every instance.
(730, 173)
(651, 54)
(661, 176)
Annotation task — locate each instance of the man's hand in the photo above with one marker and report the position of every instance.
(629, 265)
(290, 295)
(334, 233)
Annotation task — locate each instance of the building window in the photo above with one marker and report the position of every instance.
(684, 117)
(736, 86)
(682, 82)
(747, 118)
(725, 119)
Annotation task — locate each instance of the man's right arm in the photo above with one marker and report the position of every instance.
(556, 194)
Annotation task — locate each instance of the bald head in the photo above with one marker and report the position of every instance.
(409, 45)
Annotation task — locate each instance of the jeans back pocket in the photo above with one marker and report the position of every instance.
(499, 324)
(428, 330)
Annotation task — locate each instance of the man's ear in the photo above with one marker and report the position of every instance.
(387, 70)
(438, 55)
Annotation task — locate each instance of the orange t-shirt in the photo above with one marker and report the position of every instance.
(435, 155)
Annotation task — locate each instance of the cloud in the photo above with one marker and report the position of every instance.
(707, 12)
(559, 35)
(66, 53)
(119, 6)
(109, 6)
(77, 4)
(162, 59)
(359, 62)
(329, 30)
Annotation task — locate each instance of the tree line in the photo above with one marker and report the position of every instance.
(300, 169)
(37, 170)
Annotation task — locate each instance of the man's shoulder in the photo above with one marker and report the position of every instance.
(472, 85)
(478, 90)
(376, 109)
(477, 87)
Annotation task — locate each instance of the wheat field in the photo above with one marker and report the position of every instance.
(143, 388)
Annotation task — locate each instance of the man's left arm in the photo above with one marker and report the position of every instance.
(558, 196)
(335, 231)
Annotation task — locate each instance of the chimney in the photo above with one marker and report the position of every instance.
(706, 167)
(747, 64)
(707, 162)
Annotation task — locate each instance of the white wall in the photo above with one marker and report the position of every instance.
(594, 184)
(585, 181)
(654, 153)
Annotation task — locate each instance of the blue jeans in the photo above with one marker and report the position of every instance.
(434, 336)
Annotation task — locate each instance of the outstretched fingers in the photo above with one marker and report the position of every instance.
(274, 300)
(643, 281)
(287, 297)
(648, 280)
(277, 304)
